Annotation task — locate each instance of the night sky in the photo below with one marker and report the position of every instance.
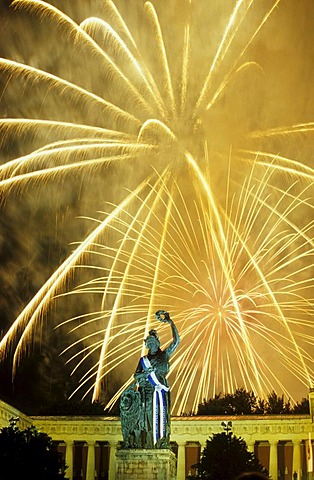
(40, 220)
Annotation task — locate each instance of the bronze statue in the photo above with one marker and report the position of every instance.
(145, 405)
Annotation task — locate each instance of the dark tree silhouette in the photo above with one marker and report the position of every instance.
(75, 407)
(225, 457)
(239, 403)
(29, 454)
(302, 407)
(246, 403)
(277, 405)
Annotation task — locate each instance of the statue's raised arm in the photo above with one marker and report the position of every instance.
(164, 316)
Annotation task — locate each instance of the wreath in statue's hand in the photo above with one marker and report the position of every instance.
(163, 316)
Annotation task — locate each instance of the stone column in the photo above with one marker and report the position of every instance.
(90, 470)
(250, 445)
(311, 402)
(273, 460)
(69, 458)
(181, 461)
(112, 461)
(296, 462)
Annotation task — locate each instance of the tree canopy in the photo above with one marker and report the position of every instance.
(246, 403)
(29, 454)
(225, 457)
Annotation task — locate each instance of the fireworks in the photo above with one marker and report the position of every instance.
(219, 235)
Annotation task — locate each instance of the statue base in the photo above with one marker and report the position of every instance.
(143, 464)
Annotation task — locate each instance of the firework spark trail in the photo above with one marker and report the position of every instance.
(223, 48)
(235, 69)
(285, 165)
(18, 125)
(151, 88)
(152, 16)
(103, 150)
(65, 87)
(36, 307)
(263, 183)
(101, 370)
(119, 359)
(282, 265)
(301, 128)
(226, 266)
(233, 264)
(79, 33)
(152, 301)
(185, 68)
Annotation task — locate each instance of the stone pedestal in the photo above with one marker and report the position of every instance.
(145, 465)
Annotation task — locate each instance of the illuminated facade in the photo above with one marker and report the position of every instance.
(89, 443)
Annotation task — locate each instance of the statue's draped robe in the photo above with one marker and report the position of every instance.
(155, 405)
(145, 411)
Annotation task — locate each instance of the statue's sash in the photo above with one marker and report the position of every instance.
(159, 401)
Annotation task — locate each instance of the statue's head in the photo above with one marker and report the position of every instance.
(152, 342)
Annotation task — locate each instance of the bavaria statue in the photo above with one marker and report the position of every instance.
(145, 405)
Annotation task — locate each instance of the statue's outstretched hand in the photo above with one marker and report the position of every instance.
(163, 316)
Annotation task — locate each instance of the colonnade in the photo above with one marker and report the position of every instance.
(89, 443)
(90, 471)
(273, 459)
